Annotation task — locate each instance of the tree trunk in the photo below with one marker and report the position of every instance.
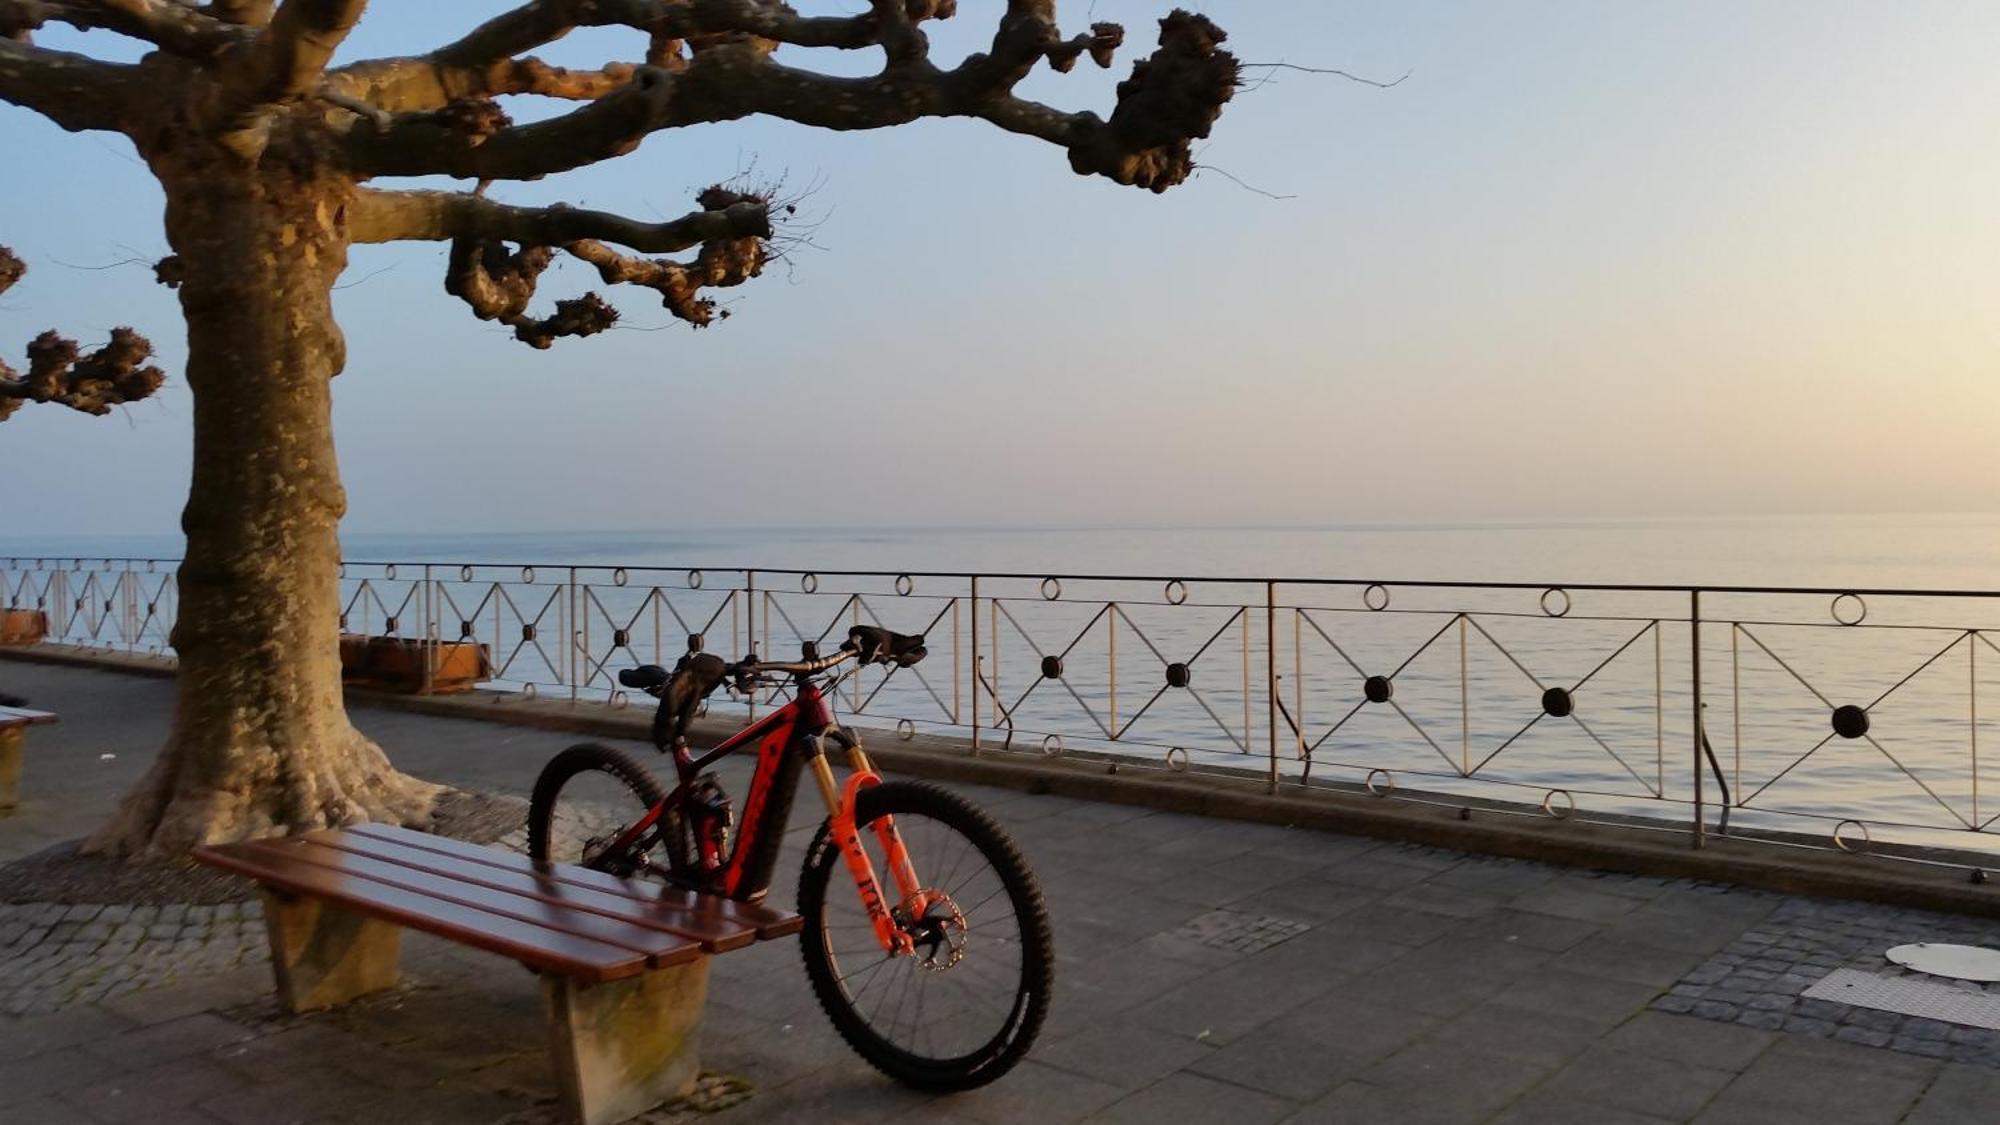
(261, 744)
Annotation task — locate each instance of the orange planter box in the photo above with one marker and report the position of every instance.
(394, 664)
(21, 627)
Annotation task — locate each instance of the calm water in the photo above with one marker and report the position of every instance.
(1467, 690)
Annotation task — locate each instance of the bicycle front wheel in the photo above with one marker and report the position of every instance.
(965, 1006)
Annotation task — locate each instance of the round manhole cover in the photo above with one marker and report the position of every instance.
(1959, 962)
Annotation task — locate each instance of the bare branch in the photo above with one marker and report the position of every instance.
(58, 371)
(732, 230)
(390, 216)
(74, 91)
(1337, 73)
(292, 52)
(172, 27)
(1172, 97)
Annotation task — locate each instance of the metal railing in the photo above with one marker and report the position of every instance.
(1804, 716)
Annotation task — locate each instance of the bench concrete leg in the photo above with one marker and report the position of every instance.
(623, 1047)
(323, 955)
(12, 742)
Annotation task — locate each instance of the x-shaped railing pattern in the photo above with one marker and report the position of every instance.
(1107, 723)
(1557, 702)
(1971, 638)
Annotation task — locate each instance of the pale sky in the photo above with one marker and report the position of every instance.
(1592, 259)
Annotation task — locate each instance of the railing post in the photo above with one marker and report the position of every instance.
(750, 629)
(575, 635)
(427, 644)
(1694, 681)
(1271, 673)
(976, 660)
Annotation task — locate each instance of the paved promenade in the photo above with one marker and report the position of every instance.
(1208, 971)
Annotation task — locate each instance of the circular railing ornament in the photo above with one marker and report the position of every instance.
(905, 729)
(1384, 787)
(1849, 609)
(528, 575)
(619, 701)
(905, 585)
(1052, 745)
(619, 577)
(1850, 721)
(1176, 592)
(389, 572)
(1558, 702)
(465, 574)
(1179, 674)
(1557, 608)
(694, 579)
(1378, 689)
(1558, 809)
(527, 692)
(1052, 667)
(1375, 596)
(1051, 589)
(809, 583)
(1177, 759)
(1855, 843)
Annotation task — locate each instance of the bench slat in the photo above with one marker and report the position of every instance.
(769, 923)
(535, 945)
(22, 717)
(660, 947)
(716, 933)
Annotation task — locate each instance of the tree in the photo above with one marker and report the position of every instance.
(266, 153)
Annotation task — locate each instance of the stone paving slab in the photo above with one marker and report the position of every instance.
(1206, 971)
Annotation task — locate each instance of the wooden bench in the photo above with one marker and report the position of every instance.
(14, 724)
(624, 963)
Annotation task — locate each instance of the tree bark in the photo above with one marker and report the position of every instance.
(261, 744)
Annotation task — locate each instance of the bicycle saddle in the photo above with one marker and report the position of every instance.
(645, 677)
(880, 646)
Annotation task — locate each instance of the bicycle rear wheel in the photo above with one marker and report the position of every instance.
(966, 1006)
(584, 800)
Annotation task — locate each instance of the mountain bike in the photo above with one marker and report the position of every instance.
(939, 977)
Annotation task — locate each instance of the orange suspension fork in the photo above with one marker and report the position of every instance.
(846, 833)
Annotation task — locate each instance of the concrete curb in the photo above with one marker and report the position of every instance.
(1597, 846)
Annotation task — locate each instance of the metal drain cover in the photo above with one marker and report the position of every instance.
(1909, 996)
(1959, 962)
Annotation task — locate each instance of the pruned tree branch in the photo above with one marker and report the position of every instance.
(1171, 98)
(389, 216)
(173, 27)
(58, 371)
(732, 230)
(74, 91)
(292, 51)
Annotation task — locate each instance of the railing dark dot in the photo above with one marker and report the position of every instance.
(1850, 721)
(1378, 689)
(1052, 667)
(1558, 702)
(527, 632)
(1179, 674)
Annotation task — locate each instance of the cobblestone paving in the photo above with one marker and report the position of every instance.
(52, 955)
(1758, 979)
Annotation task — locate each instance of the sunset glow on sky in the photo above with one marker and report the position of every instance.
(1590, 260)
